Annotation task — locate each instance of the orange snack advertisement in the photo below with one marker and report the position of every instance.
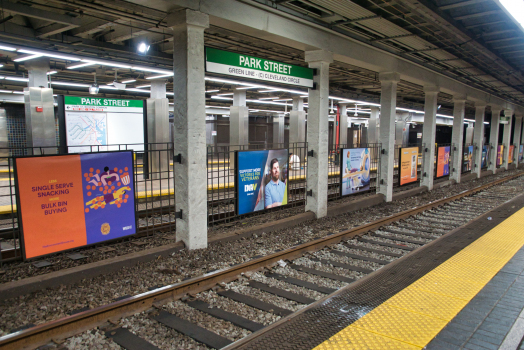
(408, 165)
(70, 201)
(51, 201)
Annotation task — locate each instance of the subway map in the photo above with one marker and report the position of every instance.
(86, 129)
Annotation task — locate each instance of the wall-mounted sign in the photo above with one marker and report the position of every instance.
(97, 104)
(230, 63)
(74, 200)
(261, 179)
(408, 165)
(443, 161)
(355, 170)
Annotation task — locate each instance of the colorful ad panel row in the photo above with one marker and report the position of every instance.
(408, 165)
(443, 161)
(261, 180)
(355, 170)
(71, 201)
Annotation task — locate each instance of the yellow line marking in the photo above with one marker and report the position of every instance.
(414, 316)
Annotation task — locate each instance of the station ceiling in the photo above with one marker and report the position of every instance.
(473, 41)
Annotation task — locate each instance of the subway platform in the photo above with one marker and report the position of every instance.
(462, 291)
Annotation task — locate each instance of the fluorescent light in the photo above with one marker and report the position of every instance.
(143, 86)
(209, 91)
(247, 87)
(6, 92)
(272, 90)
(170, 93)
(18, 92)
(225, 94)
(138, 90)
(268, 98)
(159, 76)
(108, 87)
(7, 48)
(49, 54)
(26, 57)
(52, 72)
(64, 83)
(445, 116)
(153, 70)
(80, 65)
(128, 81)
(1, 65)
(217, 107)
(107, 63)
(236, 82)
(17, 79)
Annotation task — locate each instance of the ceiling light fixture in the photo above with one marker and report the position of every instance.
(26, 58)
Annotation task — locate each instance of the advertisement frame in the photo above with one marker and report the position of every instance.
(341, 173)
(19, 207)
(449, 162)
(236, 182)
(399, 166)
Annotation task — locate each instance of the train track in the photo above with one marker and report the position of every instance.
(294, 277)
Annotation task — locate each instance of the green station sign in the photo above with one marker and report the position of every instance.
(100, 104)
(230, 63)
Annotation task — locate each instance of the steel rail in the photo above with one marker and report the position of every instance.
(83, 321)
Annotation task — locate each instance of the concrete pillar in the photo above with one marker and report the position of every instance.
(40, 124)
(401, 136)
(516, 137)
(297, 122)
(343, 125)
(373, 128)
(238, 125)
(297, 129)
(428, 135)
(158, 130)
(388, 106)
(278, 131)
(317, 132)
(457, 133)
(506, 137)
(494, 137)
(190, 126)
(478, 138)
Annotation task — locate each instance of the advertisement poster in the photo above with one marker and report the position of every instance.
(521, 153)
(510, 154)
(443, 161)
(485, 156)
(355, 169)
(468, 159)
(75, 200)
(500, 154)
(261, 180)
(408, 165)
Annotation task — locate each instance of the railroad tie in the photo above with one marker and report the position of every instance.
(198, 333)
(301, 283)
(226, 316)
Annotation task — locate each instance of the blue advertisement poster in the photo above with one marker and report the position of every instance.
(261, 180)
(355, 170)
(468, 159)
(443, 161)
(485, 155)
(108, 195)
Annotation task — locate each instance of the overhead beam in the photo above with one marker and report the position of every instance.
(53, 29)
(475, 15)
(33, 12)
(354, 20)
(461, 4)
(91, 28)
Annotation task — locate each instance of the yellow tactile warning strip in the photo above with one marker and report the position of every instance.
(415, 315)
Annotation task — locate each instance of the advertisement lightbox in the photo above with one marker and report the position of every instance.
(510, 154)
(443, 161)
(467, 163)
(261, 179)
(354, 170)
(70, 201)
(500, 154)
(408, 165)
(485, 156)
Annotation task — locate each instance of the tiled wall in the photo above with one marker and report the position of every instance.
(16, 131)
